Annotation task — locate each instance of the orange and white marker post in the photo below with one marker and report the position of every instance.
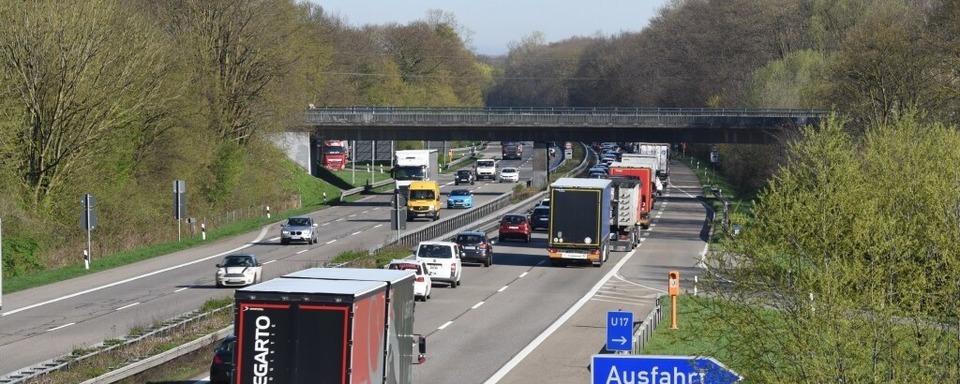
(673, 288)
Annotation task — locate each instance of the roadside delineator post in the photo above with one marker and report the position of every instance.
(673, 288)
(268, 211)
(203, 231)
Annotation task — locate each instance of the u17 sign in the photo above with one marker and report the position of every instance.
(650, 369)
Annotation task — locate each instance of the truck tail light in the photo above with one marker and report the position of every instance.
(594, 251)
(551, 250)
(217, 360)
(453, 269)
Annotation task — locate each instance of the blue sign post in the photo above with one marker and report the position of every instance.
(619, 331)
(651, 369)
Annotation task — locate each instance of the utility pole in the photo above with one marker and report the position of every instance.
(373, 161)
(353, 163)
(88, 221)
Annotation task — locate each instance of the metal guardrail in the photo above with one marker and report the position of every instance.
(68, 360)
(649, 324)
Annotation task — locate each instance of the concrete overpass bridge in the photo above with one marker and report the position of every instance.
(540, 125)
(691, 125)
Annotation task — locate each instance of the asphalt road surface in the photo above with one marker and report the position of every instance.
(48, 321)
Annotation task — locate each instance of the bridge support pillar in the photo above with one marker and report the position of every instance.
(540, 165)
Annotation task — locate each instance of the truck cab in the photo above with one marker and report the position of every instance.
(414, 165)
(423, 200)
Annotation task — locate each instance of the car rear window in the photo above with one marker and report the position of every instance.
(469, 239)
(435, 251)
(406, 267)
(514, 219)
(541, 211)
(460, 192)
(509, 170)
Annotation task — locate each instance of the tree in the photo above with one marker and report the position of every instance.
(71, 83)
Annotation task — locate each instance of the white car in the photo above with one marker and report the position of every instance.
(509, 174)
(422, 284)
(443, 261)
(239, 270)
(486, 169)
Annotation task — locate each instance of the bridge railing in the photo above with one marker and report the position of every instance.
(548, 116)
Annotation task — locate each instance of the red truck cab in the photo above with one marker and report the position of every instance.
(334, 154)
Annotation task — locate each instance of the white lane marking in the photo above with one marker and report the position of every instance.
(274, 239)
(653, 225)
(447, 324)
(60, 327)
(181, 289)
(522, 275)
(622, 301)
(378, 225)
(477, 305)
(340, 219)
(325, 224)
(642, 239)
(618, 277)
(128, 306)
(331, 241)
(355, 233)
(268, 262)
(450, 183)
(376, 209)
(263, 233)
(353, 215)
(302, 251)
(205, 380)
(506, 368)
(647, 233)
(503, 288)
(364, 212)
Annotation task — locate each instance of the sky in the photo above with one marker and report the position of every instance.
(495, 23)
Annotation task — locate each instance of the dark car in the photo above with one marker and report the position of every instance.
(476, 247)
(516, 227)
(222, 366)
(464, 176)
(540, 218)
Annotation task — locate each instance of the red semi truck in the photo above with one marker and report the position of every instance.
(327, 325)
(645, 176)
(335, 154)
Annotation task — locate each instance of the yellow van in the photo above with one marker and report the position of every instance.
(423, 200)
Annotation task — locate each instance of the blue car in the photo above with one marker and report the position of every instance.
(460, 198)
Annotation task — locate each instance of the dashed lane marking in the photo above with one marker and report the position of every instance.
(378, 225)
(503, 288)
(356, 233)
(301, 251)
(331, 241)
(181, 289)
(60, 327)
(477, 305)
(128, 306)
(447, 324)
(523, 274)
(268, 262)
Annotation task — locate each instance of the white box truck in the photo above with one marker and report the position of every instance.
(415, 165)
(662, 152)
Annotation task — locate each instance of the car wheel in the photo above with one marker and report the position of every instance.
(218, 284)
(453, 284)
(284, 241)
(486, 264)
(558, 263)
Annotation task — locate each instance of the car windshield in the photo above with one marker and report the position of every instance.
(238, 261)
(514, 220)
(408, 173)
(436, 251)
(333, 150)
(405, 267)
(463, 173)
(298, 221)
(485, 163)
(469, 239)
(421, 194)
(460, 192)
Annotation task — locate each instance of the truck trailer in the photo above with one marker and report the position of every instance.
(625, 207)
(326, 325)
(662, 152)
(415, 165)
(646, 187)
(579, 226)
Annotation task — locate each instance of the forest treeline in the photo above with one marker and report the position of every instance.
(118, 98)
(870, 60)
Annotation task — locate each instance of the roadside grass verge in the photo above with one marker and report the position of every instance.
(699, 333)
(311, 192)
(110, 360)
(741, 201)
(362, 175)
(365, 259)
(570, 164)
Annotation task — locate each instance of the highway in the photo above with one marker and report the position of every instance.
(479, 327)
(48, 321)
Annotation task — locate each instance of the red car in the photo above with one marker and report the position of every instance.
(515, 226)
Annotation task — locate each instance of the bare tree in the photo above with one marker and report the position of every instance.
(72, 81)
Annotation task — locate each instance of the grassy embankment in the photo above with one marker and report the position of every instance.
(309, 188)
